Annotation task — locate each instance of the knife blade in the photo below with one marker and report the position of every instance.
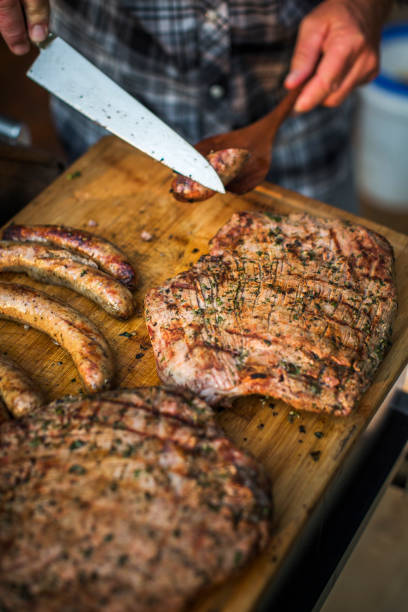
(68, 75)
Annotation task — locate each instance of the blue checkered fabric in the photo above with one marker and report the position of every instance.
(206, 66)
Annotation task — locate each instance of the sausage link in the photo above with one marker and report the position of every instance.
(59, 267)
(17, 390)
(108, 256)
(228, 163)
(72, 330)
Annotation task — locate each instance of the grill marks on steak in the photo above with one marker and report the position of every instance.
(129, 500)
(297, 307)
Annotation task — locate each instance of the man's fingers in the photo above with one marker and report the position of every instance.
(16, 29)
(329, 75)
(307, 51)
(37, 15)
(363, 71)
(12, 26)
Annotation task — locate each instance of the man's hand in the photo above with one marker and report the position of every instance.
(21, 20)
(338, 42)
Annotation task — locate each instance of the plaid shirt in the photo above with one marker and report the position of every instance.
(206, 66)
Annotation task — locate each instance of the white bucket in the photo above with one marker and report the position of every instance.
(382, 126)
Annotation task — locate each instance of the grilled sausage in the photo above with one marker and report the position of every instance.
(228, 163)
(60, 267)
(16, 389)
(73, 331)
(108, 256)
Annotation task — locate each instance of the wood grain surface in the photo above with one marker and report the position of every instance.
(117, 192)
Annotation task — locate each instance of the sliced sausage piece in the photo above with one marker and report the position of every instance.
(60, 267)
(228, 163)
(108, 256)
(16, 389)
(69, 328)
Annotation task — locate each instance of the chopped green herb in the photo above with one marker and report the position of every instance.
(128, 451)
(277, 218)
(290, 368)
(35, 442)
(73, 175)
(237, 557)
(122, 560)
(213, 507)
(315, 387)
(315, 455)
(126, 334)
(45, 425)
(319, 434)
(381, 347)
(118, 425)
(293, 414)
(206, 448)
(203, 480)
(77, 469)
(76, 444)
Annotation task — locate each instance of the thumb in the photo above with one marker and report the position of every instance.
(308, 49)
(37, 15)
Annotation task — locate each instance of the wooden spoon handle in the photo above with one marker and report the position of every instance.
(267, 126)
(282, 110)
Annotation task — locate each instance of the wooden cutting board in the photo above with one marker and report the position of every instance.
(117, 192)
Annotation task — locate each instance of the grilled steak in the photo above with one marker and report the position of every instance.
(296, 307)
(127, 501)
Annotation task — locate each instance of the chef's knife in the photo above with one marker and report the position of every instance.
(69, 76)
